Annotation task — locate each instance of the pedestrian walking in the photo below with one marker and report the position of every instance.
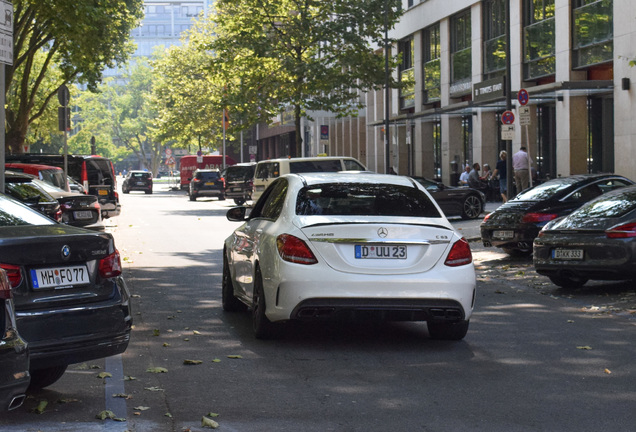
(500, 170)
(521, 163)
(463, 179)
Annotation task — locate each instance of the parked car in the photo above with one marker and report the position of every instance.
(468, 203)
(598, 241)
(14, 353)
(95, 173)
(318, 246)
(50, 174)
(239, 182)
(72, 304)
(137, 180)
(515, 224)
(21, 187)
(206, 183)
(77, 209)
(268, 170)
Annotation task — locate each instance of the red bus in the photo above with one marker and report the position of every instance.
(188, 165)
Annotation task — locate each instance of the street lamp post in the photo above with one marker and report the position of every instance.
(387, 93)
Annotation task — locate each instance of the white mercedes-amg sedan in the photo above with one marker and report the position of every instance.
(348, 245)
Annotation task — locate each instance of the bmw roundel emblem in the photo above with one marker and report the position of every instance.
(383, 232)
(66, 252)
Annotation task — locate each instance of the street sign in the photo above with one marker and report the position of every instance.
(171, 161)
(524, 115)
(168, 152)
(508, 132)
(523, 97)
(6, 32)
(508, 117)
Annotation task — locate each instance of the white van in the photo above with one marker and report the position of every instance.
(268, 170)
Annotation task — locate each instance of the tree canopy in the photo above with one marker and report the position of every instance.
(304, 54)
(61, 42)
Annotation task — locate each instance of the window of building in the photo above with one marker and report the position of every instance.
(494, 38)
(407, 75)
(460, 48)
(431, 65)
(593, 32)
(538, 38)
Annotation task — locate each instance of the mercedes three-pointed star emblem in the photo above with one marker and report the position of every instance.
(383, 232)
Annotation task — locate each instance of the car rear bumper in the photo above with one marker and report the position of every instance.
(14, 364)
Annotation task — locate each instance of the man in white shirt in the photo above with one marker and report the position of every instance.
(521, 165)
(463, 179)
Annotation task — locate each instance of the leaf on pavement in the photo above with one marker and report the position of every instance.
(122, 395)
(196, 332)
(584, 347)
(106, 414)
(216, 360)
(157, 370)
(129, 378)
(192, 362)
(41, 406)
(209, 423)
(67, 400)
(168, 415)
(607, 371)
(234, 356)
(153, 388)
(166, 344)
(155, 332)
(211, 414)
(104, 375)
(141, 408)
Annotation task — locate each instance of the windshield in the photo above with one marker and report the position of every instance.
(14, 214)
(239, 173)
(361, 199)
(543, 191)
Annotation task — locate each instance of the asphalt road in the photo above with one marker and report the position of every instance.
(536, 358)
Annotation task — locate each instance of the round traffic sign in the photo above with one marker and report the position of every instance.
(523, 97)
(168, 151)
(508, 117)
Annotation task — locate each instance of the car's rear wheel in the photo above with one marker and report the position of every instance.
(448, 331)
(472, 207)
(569, 281)
(262, 326)
(41, 378)
(230, 302)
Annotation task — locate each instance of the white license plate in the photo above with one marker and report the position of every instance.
(503, 234)
(380, 252)
(59, 277)
(567, 254)
(83, 214)
(140, 183)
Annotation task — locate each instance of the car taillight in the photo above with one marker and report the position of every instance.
(622, 231)
(84, 175)
(5, 287)
(58, 215)
(487, 217)
(110, 266)
(13, 273)
(459, 254)
(294, 250)
(538, 217)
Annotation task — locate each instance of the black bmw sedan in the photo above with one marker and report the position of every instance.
(514, 225)
(72, 304)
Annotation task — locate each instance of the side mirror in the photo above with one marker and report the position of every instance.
(236, 214)
(440, 186)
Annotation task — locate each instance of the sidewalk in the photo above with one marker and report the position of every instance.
(470, 228)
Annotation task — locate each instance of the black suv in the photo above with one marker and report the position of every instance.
(207, 182)
(137, 181)
(239, 182)
(95, 173)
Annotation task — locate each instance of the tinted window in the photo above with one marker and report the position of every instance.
(140, 175)
(273, 204)
(28, 193)
(239, 173)
(267, 170)
(352, 165)
(55, 177)
(14, 214)
(208, 175)
(544, 190)
(359, 199)
(99, 172)
(315, 166)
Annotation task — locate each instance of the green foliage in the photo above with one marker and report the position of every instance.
(58, 42)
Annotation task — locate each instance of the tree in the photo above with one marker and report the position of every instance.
(59, 42)
(121, 114)
(306, 54)
(186, 97)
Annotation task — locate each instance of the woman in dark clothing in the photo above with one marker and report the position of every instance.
(501, 170)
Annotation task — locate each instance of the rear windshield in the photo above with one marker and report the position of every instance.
(14, 214)
(208, 175)
(315, 166)
(615, 205)
(239, 173)
(544, 191)
(361, 199)
(140, 175)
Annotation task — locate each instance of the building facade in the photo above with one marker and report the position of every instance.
(570, 57)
